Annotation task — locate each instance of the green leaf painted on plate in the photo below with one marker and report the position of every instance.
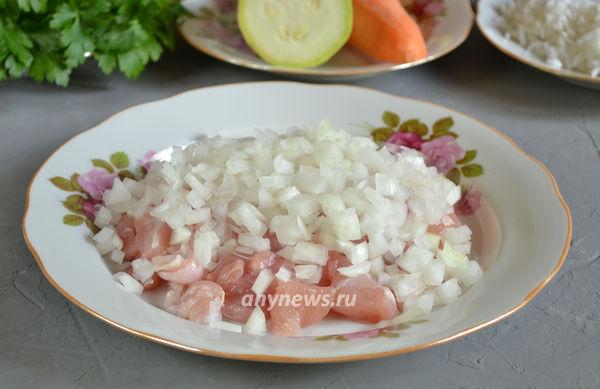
(63, 183)
(74, 182)
(72, 208)
(444, 133)
(72, 220)
(387, 334)
(103, 164)
(126, 174)
(341, 338)
(472, 170)
(74, 203)
(391, 119)
(92, 227)
(400, 327)
(140, 172)
(454, 175)
(444, 124)
(120, 160)
(323, 338)
(415, 126)
(470, 155)
(382, 134)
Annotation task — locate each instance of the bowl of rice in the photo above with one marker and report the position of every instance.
(561, 37)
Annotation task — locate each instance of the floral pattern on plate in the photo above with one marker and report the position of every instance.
(440, 149)
(89, 187)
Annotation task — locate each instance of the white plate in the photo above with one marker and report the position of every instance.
(524, 247)
(488, 22)
(451, 30)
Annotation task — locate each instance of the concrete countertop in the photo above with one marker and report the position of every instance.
(46, 342)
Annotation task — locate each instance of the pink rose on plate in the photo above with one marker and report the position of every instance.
(215, 30)
(89, 208)
(442, 152)
(226, 5)
(147, 159)
(95, 182)
(469, 202)
(406, 139)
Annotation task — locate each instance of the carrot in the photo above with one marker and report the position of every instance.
(384, 30)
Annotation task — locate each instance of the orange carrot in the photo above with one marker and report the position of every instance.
(384, 30)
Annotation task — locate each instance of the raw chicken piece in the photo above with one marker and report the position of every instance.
(152, 236)
(260, 261)
(201, 302)
(227, 272)
(373, 301)
(233, 307)
(126, 231)
(188, 272)
(173, 297)
(331, 276)
(287, 319)
(275, 245)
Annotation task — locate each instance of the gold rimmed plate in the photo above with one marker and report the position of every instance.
(521, 234)
(214, 32)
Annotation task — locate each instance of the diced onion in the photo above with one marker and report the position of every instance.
(104, 234)
(180, 235)
(449, 291)
(142, 269)
(129, 283)
(283, 274)
(253, 242)
(205, 244)
(117, 194)
(103, 217)
(256, 324)
(471, 274)
(346, 224)
(116, 256)
(262, 282)
(309, 273)
(309, 253)
(355, 270)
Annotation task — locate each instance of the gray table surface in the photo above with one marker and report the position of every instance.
(554, 342)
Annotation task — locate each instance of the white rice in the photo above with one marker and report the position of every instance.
(563, 33)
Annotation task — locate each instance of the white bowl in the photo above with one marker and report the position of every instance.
(488, 22)
(522, 234)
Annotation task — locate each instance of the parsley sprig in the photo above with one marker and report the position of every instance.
(47, 39)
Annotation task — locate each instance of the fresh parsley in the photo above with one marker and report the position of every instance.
(47, 39)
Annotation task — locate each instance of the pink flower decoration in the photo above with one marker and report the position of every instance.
(226, 5)
(406, 139)
(147, 159)
(427, 8)
(442, 153)
(228, 37)
(89, 208)
(434, 9)
(469, 202)
(95, 182)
